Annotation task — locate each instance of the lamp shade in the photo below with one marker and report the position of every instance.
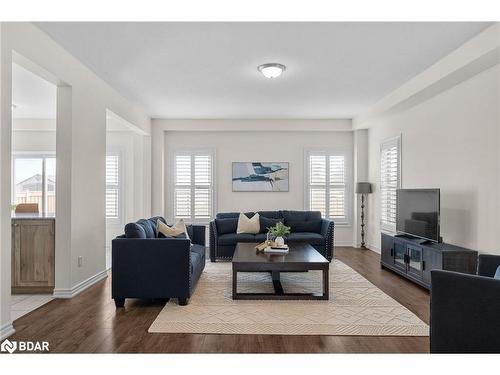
(363, 188)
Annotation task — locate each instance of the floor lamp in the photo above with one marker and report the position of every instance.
(363, 188)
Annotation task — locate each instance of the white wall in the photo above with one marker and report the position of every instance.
(81, 127)
(33, 135)
(230, 146)
(450, 141)
(130, 147)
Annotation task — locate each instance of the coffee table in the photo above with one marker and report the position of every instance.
(301, 257)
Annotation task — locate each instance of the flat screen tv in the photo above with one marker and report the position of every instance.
(418, 213)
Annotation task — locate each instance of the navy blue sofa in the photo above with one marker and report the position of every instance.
(465, 310)
(306, 226)
(144, 266)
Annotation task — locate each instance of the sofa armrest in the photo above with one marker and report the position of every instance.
(213, 240)
(464, 313)
(327, 231)
(150, 268)
(488, 264)
(198, 234)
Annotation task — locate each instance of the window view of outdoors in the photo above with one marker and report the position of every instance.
(34, 185)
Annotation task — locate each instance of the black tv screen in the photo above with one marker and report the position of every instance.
(418, 213)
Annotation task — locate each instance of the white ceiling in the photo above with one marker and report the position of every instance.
(209, 70)
(33, 96)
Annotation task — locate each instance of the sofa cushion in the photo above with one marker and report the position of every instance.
(195, 262)
(198, 249)
(303, 221)
(134, 230)
(233, 238)
(497, 273)
(148, 227)
(266, 222)
(232, 215)
(309, 237)
(228, 225)
(271, 214)
(154, 221)
(190, 233)
(261, 237)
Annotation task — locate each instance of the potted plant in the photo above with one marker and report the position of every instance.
(278, 231)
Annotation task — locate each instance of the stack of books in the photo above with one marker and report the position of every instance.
(272, 248)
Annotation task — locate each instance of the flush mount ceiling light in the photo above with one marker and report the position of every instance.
(271, 70)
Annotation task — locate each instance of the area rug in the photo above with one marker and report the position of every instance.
(356, 307)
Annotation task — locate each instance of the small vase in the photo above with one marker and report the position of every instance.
(280, 241)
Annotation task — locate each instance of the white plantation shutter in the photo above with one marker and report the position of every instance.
(337, 194)
(193, 191)
(112, 186)
(389, 182)
(317, 183)
(327, 185)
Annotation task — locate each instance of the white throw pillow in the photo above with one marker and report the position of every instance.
(246, 225)
(173, 231)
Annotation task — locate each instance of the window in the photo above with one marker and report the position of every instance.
(390, 172)
(113, 184)
(327, 185)
(34, 181)
(193, 186)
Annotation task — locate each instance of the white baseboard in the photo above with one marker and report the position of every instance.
(7, 330)
(343, 243)
(80, 287)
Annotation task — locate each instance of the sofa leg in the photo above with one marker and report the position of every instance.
(183, 301)
(119, 302)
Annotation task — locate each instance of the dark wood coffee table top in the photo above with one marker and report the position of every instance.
(299, 253)
(301, 257)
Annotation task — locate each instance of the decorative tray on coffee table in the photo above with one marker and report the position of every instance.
(276, 249)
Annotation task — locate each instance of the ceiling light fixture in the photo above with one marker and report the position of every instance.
(271, 70)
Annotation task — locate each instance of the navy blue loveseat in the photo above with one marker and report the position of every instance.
(144, 266)
(306, 226)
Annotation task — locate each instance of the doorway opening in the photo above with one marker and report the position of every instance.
(33, 190)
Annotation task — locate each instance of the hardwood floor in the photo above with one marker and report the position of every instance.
(90, 323)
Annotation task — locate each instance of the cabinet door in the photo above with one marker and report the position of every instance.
(415, 261)
(387, 249)
(432, 261)
(33, 253)
(399, 260)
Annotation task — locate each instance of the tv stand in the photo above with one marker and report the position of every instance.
(414, 258)
(421, 241)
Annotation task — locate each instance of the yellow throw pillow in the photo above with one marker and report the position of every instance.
(246, 225)
(173, 231)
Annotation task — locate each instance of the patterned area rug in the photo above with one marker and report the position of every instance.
(356, 307)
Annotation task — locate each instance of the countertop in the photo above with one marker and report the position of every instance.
(32, 216)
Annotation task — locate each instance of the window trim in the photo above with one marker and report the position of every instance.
(349, 195)
(120, 220)
(170, 203)
(33, 155)
(388, 142)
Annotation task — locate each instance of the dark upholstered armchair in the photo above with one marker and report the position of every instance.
(465, 310)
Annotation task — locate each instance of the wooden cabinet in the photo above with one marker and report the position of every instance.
(33, 251)
(414, 259)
